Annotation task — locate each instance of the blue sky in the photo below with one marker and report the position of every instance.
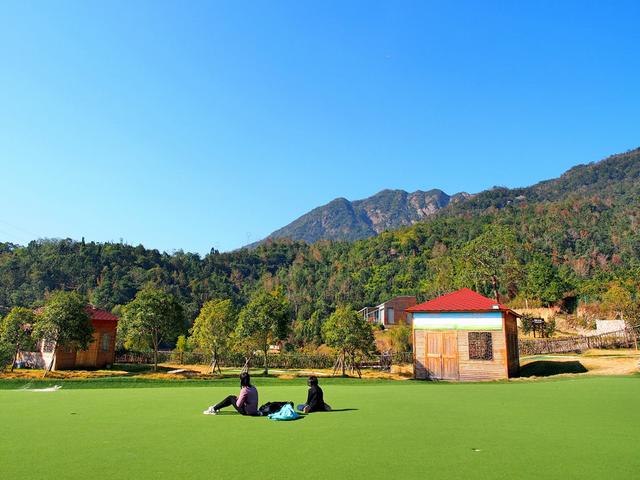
(192, 125)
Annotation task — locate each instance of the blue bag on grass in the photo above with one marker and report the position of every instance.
(285, 413)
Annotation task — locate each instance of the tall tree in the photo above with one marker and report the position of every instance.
(491, 256)
(151, 318)
(265, 321)
(64, 323)
(542, 281)
(618, 300)
(349, 333)
(16, 329)
(212, 328)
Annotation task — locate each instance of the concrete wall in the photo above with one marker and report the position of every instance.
(608, 326)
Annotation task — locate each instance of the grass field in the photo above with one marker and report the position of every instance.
(570, 428)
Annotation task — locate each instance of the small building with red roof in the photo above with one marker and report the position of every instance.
(100, 354)
(464, 336)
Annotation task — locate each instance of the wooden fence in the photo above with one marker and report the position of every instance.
(619, 339)
(282, 360)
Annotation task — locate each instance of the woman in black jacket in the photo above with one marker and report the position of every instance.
(315, 398)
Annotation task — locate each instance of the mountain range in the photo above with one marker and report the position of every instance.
(342, 219)
(574, 237)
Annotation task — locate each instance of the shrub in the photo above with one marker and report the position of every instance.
(6, 355)
(550, 327)
(400, 338)
(527, 324)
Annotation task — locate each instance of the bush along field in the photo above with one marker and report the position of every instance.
(565, 428)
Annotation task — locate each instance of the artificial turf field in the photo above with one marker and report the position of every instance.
(569, 428)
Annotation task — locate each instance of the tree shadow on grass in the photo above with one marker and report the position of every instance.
(548, 368)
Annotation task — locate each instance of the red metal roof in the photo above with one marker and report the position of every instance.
(94, 313)
(98, 314)
(464, 300)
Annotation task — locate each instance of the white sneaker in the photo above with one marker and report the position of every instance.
(210, 411)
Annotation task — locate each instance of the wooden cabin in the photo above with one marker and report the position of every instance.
(100, 354)
(464, 336)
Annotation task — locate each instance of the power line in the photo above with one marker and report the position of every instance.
(12, 236)
(24, 230)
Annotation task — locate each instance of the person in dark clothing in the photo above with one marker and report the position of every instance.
(245, 404)
(315, 398)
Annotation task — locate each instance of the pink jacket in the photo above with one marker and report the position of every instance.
(248, 399)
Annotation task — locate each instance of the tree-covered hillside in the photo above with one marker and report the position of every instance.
(617, 175)
(342, 219)
(110, 274)
(556, 249)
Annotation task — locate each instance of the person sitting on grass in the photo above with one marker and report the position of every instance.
(245, 404)
(315, 398)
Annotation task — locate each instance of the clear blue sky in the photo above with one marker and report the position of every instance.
(210, 124)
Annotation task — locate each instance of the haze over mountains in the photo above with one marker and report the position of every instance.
(342, 219)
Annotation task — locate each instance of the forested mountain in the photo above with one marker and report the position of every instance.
(568, 239)
(341, 219)
(617, 175)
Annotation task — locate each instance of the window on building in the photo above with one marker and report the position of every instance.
(105, 342)
(390, 319)
(480, 346)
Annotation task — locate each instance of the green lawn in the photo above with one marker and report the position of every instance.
(570, 428)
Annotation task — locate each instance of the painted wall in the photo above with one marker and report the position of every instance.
(457, 321)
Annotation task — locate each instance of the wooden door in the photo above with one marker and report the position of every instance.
(442, 355)
(434, 354)
(450, 355)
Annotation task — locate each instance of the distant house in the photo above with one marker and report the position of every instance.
(464, 336)
(101, 351)
(390, 313)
